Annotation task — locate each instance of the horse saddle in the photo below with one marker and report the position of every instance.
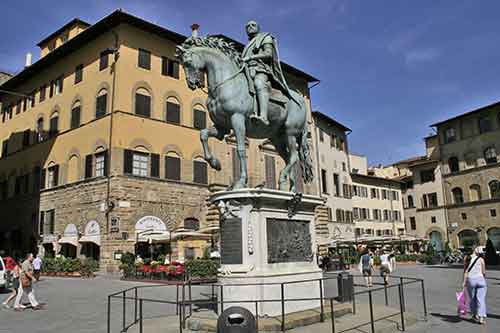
(278, 97)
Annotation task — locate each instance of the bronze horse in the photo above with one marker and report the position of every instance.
(230, 106)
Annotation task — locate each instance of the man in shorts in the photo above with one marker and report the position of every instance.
(366, 267)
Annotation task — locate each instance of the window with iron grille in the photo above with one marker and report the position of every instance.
(140, 164)
(100, 164)
(144, 59)
(413, 223)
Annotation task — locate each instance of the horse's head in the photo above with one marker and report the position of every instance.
(193, 66)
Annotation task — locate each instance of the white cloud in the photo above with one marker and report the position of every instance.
(415, 56)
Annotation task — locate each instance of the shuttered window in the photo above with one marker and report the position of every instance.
(200, 175)
(41, 223)
(53, 176)
(88, 165)
(127, 161)
(26, 138)
(54, 126)
(103, 60)
(236, 164)
(200, 119)
(172, 168)
(75, 117)
(270, 172)
(173, 113)
(101, 105)
(155, 165)
(143, 105)
(169, 67)
(43, 92)
(144, 59)
(78, 74)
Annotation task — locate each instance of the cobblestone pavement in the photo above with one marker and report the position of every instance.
(78, 306)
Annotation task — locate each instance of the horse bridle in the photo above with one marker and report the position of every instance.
(211, 91)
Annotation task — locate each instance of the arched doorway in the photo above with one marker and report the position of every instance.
(69, 241)
(152, 238)
(468, 239)
(436, 240)
(91, 240)
(494, 235)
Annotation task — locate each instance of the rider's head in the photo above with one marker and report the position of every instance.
(252, 28)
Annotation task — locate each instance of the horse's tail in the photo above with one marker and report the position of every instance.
(305, 153)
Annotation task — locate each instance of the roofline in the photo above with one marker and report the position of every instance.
(331, 120)
(466, 114)
(64, 27)
(286, 67)
(376, 178)
(115, 18)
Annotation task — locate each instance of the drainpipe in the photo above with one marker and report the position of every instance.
(108, 185)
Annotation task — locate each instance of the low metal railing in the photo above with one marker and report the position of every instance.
(184, 301)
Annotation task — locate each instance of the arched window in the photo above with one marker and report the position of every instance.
(75, 114)
(494, 186)
(468, 239)
(470, 160)
(39, 130)
(490, 155)
(173, 111)
(101, 103)
(458, 196)
(73, 169)
(411, 204)
(192, 224)
(200, 172)
(475, 192)
(199, 117)
(143, 102)
(54, 124)
(172, 166)
(453, 164)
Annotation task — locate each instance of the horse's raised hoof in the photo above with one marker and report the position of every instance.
(215, 164)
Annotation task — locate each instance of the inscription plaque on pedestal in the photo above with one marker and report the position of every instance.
(231, 241)
(288, 241)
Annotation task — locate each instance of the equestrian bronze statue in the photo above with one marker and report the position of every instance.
(241, 99)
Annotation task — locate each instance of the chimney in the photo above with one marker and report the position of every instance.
(194, 30)
(28, 60)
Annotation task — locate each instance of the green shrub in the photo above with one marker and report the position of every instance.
(202, 268)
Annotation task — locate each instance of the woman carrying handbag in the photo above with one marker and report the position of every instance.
(475, 282)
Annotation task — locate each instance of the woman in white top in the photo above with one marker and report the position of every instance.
(475, 282)
(387, 265)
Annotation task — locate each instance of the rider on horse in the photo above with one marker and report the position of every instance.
(263, 68)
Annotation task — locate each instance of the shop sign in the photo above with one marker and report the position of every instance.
(150, 223)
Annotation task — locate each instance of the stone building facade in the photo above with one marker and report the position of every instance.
(469, 157)
(376, 201)
(333, 176)
(105, 152)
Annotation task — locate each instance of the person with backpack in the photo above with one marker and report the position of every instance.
(475, 282)
(366, 267)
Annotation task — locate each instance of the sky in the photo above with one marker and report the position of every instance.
(388, 69)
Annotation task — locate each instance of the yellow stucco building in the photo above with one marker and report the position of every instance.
(100, 145)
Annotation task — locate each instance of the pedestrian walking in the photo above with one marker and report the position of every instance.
(366, 267)
(387, 265)
(26, 279)
(15, 272)
(475, 282)
(37, 267)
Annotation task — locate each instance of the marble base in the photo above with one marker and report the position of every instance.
(252, 253)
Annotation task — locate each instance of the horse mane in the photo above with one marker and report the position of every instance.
(217, 43)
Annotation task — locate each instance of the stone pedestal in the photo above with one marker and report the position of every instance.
(268, 240)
